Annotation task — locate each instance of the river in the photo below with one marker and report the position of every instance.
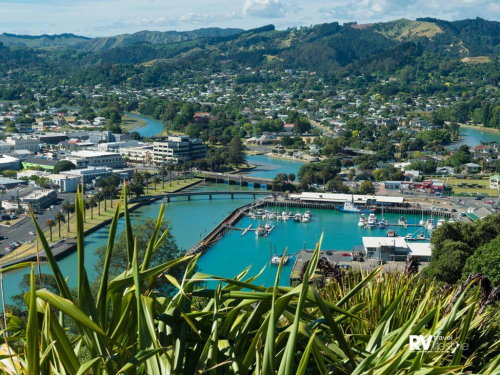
(191, 220)
(474, 137)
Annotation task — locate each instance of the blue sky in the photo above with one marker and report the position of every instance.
(111, 17)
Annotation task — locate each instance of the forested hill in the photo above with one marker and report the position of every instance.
(154, 37)
(329, 49)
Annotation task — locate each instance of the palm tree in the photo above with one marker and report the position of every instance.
(155, 180)
(170, 168)
(68, 207)
(92, 204)
(163, 173)
(50, 224)
(98, 198)
(146, 175)
(60, 219)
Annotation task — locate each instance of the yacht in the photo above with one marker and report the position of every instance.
(305, 219)
(261, 231)
(441, 222)
(409, 237)
(372, 221)
(382, 223)
(276, 259)
(429, 224)
(284, 216)
(452, 220)
(421, 236)
(297, 217)
(362, 220)
(402, 220)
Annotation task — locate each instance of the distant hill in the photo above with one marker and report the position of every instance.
(41, 41)
(330, 49)
(155, 38)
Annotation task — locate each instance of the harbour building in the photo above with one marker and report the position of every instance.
(178, 149)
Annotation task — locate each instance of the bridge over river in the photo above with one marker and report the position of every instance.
(210, 194)
(236, 179)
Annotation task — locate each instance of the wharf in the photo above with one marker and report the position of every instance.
(226, 224)
(378, 209)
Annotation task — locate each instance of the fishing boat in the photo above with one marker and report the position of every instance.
(372, 221)
(350, 207)
(276, 259)
(362, 220)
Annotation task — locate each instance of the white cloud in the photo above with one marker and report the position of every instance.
(264, 8)
(376, 10)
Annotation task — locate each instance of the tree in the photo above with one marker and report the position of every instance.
(63, 165)
(168, 250)
(155, 180)
(336, 185)
(367, 187)
(50, 224)
(291, 177)
(236, 149)
(448, 266)
(68, 207)
(137, 188)
(98, 198)
(486, 261)
(60, 219)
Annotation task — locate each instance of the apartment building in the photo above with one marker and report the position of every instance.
(178, 149)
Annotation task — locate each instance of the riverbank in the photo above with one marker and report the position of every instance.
(481, 128)
(130, 124)
(94, 220)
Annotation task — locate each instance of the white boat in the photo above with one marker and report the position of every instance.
(429, 224)
(276, 259)
(421, 222)
(441, 222)
(305, 219)
(452, 220)
(284, 216)
(402, 220)
(372, 221)
(297, 217)
(421, 236)
(382, 223)
(409, 237)
(261, 231)
(308, 213)
(362, 220)
(350, 207)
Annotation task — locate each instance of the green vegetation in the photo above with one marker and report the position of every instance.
(355, 324)
(456, 245)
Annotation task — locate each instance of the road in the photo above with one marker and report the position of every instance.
(21, 231)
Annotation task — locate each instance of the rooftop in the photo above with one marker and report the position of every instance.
(384, 241)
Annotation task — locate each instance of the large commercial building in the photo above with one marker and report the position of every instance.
(40, 199)
(24, 143)
(66, 183)
(84, 159)
(8, 162)
(178, 149)
(89, 175)
(142, 154)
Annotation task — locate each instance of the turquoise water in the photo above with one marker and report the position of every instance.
(268, 168)
(234, 253)
(474, 137)
(153, 127)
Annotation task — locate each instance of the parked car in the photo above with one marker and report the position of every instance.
(8, 248)
(3, 237)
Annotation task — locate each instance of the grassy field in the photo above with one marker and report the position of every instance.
(92, 219)
(474, 186)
